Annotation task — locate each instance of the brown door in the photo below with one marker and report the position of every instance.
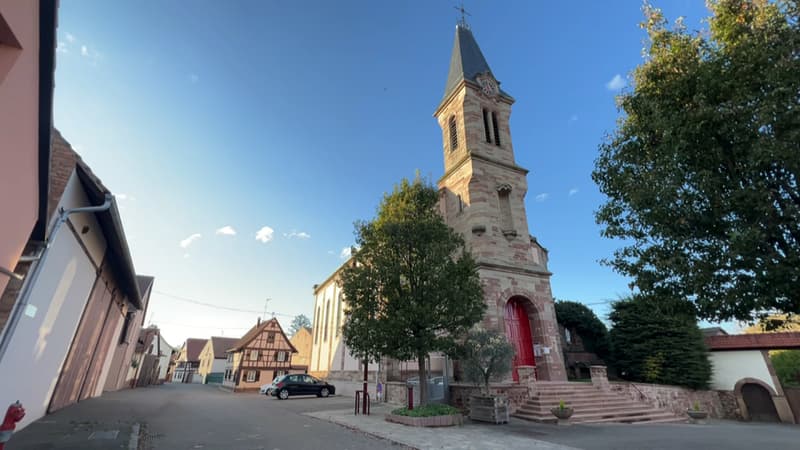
(76, 365)
(759, 403)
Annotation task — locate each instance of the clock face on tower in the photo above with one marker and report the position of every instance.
(488, 86)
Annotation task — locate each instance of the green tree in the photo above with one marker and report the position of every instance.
(487, 356)
(656, 340)
(787, 366)
(701, 173)
(578, 317)
(412, 287)
(300, 321)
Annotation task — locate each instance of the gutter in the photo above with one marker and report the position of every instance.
(38, 263)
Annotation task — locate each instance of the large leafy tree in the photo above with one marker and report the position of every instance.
(300, 321)
(412, 287)
(487, 356)
(578, 317)
(702, 171)
(657, 340)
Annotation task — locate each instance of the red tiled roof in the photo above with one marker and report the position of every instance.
(193, 348)
(762, 341)
(256, 330)
(220, 345)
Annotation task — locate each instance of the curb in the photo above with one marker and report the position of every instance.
(133, 442)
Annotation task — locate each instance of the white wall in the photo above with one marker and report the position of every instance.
(73, 197)
(41, 340)
(218, 366)
(731, 366)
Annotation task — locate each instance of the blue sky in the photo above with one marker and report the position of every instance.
(297, 116)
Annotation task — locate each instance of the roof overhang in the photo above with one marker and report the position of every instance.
(761, 341)
(119, 256)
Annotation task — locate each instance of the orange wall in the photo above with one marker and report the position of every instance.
(19, 94)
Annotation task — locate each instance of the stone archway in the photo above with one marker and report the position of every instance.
(756, 400)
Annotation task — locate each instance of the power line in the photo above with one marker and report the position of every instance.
(201, 326)
(211, 305)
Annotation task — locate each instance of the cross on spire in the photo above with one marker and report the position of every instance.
(464, 13)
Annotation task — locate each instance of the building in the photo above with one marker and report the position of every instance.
(741, 363)
(302, 342)
(260, 356)
(122, 371)
(577, 358)
(28, 46)
(213, 358)
(152, 357)
(482, 195)
(73, 300)
(188, 362)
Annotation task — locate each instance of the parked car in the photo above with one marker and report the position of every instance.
(298, 384)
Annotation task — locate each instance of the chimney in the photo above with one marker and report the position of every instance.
(259, 321)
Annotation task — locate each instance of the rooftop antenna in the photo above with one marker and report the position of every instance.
(266, 303)
(464, 13)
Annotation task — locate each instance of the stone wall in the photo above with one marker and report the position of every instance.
(517, 394)
(719, 404)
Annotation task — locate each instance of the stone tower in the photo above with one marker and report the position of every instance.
(482, 196)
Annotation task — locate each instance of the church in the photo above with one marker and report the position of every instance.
(482, 196)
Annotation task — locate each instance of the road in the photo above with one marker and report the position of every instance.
(182, 416)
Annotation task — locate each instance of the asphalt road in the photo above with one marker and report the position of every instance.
(182, 416)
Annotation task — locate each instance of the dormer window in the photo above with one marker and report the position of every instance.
(453, 133)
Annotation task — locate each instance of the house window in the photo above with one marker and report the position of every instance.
(460, 204)
(316, 325)
(230, 357)
(271, 337)
(486, 126)
(280, 356)
(494, 127)
(567, 336)
(339, 315)
(123, 336)
(453, 133)
(252, 375)
(253, 355)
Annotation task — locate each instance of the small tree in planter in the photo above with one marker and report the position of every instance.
(488, 356)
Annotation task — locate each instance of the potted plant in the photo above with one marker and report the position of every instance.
(696, 414)
(562, 413)
(488, 356)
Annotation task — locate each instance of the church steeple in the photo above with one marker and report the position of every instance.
(467, 61)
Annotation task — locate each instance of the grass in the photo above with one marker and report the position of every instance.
(434, 409)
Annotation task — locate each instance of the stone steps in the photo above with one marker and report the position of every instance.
(591, 405)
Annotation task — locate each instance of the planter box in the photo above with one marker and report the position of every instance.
(432, 421)
(488, 409)
(696, 416)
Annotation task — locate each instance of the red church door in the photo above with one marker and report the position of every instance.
(518, 332)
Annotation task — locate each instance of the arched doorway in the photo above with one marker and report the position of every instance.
(758, 401)
(518, 332)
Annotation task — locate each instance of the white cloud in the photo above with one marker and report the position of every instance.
(573, 191)
(573, 118)
(616, 83)
(542, 197)
(84, 50)
(298, 235)
(121, 196)
(264, 234)
(227, 230)
(188, 241)
(62, 47)
(70, 38)
(346, 252)
(330, 252)
(194, 78)
(186, 255)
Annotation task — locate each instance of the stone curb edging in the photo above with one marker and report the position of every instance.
(133, 442)
(432, 421)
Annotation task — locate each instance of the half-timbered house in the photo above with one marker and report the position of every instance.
(260, 356)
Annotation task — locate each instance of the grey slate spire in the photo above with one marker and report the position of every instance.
(467, 61)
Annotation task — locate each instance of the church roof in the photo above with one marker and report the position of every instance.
(467, 61)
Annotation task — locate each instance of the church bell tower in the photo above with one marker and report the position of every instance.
(482, 196)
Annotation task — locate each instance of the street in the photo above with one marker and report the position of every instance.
(191, 416)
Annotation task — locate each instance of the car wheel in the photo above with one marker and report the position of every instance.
(283, 394)
(324, 392)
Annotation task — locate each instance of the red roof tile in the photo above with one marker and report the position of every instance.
(762, 341)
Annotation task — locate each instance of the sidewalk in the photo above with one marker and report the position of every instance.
(70, 432)
(468, 436)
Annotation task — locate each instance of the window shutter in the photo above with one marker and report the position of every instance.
(258, 375)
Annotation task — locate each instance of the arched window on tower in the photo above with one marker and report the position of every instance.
(327, 317)
(494, 126)
(453, 133)
(506, 220)
(486, 126)
(339, 306)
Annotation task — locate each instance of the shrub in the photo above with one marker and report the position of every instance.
(429, 410)
(488, 356)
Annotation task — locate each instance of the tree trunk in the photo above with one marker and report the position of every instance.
(423, 381)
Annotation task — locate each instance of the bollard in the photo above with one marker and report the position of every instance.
(410, 397)
(14, 414)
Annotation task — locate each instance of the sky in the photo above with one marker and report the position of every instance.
(243, 139)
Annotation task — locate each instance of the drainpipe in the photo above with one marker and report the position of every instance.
(38, 263)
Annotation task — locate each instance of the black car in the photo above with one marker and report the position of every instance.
(299, 384)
